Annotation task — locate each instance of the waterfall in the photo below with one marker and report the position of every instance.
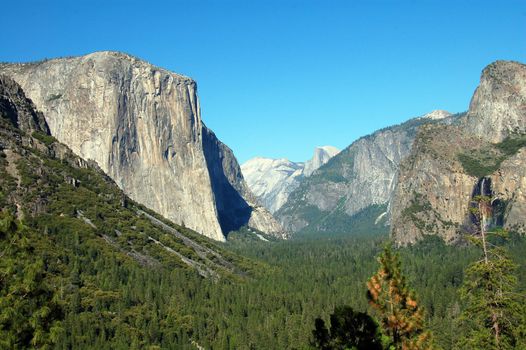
(492, 211)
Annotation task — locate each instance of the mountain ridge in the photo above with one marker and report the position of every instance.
(354, 188)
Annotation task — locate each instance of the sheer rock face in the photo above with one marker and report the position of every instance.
(272, 180)
(141, 124)
(434, 188)
(509, 185)
(236, 204)
(433, 192)
(498, 106)
(359, 178)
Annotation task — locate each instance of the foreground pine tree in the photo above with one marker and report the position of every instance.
(493, 317)
(400, 315)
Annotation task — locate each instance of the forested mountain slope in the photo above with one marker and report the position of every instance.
(88, 256)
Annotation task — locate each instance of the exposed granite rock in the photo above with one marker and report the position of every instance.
(321, 156)
(42, 179)
(360, 179)
(448, 164)
(141, 124)
(236, 204)
(509, 186)
(498, 106)
(15, 107)
(272, 180)
(433, 192)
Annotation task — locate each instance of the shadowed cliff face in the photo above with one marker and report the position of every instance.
(483, 154)
(234, 212)
(20, 111)
(236, 204)
(142, 125)
(497, 206)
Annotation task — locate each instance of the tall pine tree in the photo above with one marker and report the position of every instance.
(494, 311)
(401, 317)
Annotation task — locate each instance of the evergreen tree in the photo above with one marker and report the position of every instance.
(401, 317)
(493, 312)
(29, 312)
(349, 330)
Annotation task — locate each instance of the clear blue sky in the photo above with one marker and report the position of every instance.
(277, 78)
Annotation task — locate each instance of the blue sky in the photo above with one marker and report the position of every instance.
(277, 78)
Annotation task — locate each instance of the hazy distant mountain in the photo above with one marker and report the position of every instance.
(272, 180)
(352, 190)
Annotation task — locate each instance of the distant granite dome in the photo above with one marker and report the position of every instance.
(321, 156)
(272, 180)
(142, 125)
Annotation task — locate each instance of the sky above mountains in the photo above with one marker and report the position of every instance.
(277, 78)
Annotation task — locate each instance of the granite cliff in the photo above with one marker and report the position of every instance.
(61, 198)
(142, 125)
(482, 154)
(352, 190)
(272, 180)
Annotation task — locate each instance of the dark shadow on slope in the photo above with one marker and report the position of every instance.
(19, 109)
(233, 210)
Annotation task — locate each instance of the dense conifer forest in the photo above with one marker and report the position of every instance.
(85, 295)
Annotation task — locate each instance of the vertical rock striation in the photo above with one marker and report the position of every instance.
(141, 124)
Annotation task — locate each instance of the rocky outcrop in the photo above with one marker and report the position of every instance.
(356, 183)
(20, 111)
(449, 164)
(433, 191)
(272, 180)
(142, 125)
(498, 106)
